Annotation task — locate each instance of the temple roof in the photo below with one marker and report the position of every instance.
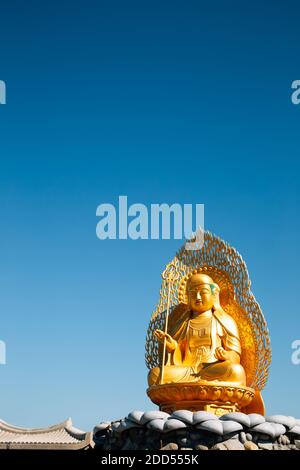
(60, 436)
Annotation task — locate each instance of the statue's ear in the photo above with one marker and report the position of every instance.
(216, 293)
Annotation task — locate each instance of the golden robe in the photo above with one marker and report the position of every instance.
(197, 338)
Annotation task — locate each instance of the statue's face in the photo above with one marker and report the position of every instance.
(200, 295)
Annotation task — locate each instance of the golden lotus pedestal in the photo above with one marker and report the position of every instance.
(218, 397)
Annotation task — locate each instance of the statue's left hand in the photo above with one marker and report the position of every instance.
(222, 354)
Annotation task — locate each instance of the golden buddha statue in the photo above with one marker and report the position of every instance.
(207, 345)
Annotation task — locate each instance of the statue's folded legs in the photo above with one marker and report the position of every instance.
(224, 371)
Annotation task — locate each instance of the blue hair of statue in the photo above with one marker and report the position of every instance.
(212, 288)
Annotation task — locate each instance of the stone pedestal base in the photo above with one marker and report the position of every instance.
(216, 397)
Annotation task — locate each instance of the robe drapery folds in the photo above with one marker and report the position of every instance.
(223, 330)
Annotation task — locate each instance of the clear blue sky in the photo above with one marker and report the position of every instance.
(163, 101)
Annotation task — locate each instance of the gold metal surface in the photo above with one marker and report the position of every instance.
(188, 334)
(170, 274)
(218, 398)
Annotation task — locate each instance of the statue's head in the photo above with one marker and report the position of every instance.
(202, 293)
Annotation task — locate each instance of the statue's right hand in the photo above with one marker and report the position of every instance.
(170, 342)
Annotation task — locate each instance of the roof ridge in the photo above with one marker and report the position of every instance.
(64, 425)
